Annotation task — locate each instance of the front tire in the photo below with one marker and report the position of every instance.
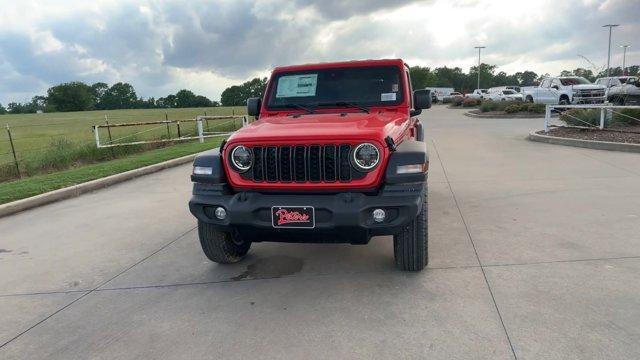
(221, 247)
(410, 247)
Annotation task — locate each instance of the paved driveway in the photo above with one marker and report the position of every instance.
(535, 253)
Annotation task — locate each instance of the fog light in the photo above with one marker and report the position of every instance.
(202, 170)
(221, 213)
(379, 215)
(411, 169)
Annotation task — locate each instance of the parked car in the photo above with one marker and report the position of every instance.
(509, 87)
(434, 97)
(564, 91)
(504, 95)
(477, 94)
(440, 92)
(451, 96)
(621, 90)
(336, 155)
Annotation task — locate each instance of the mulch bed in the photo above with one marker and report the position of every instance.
(630, 134)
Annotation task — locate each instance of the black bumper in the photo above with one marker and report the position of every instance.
(339, 218)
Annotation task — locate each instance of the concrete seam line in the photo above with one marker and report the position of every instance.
(589, 144)
(506, 116)
(79, 189)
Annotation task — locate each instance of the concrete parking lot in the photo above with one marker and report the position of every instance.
(534, 254)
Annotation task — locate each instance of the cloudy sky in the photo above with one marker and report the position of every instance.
(163, 46)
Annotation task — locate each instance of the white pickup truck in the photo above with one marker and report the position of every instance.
(477, 94)
(621, 90)
(565, 91)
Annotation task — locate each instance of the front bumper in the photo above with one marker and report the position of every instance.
(344, 217)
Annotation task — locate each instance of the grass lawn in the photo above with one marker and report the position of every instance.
(20, 189)
(34, 133)
(50, 142)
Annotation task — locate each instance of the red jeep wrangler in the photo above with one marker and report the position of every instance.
(336, 155)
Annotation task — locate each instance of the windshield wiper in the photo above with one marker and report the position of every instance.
(349, 104)
(296, 106)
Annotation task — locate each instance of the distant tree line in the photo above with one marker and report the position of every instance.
(78, 96)
(422, 77)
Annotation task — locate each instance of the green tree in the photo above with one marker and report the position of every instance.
(73, 96)
(2, 110)
(237, 95)
(185, 98)
(526, 78)
(97, 91)
(119, 96)
(232, 96)
(422, 77)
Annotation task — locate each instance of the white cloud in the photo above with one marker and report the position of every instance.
(163, 46)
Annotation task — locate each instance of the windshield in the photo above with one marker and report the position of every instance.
(574, 81)
(367, 86)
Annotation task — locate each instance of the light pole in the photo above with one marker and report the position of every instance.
(610, 26)
(624, 58)
(479, 48)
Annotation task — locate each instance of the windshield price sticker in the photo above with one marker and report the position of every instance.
(388, 97)
(297, 85)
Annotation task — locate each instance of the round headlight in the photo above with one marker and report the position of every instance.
(366, 156)
(242, 158)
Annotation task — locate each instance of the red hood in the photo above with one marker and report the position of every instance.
(318, 127)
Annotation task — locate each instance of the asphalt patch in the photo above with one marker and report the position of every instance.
(271, 267)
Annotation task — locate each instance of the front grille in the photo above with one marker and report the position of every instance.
(300, 163)
(590, 93)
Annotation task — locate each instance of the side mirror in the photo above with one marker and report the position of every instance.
(253, 106)
(421, 100)
(555, 87)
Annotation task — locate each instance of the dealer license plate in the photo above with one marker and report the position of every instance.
(298, 217)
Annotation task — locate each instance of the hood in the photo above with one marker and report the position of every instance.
(319, 127)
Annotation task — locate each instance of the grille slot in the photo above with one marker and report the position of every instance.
(271, 163)
(258, 167)
(300, 159)
(330, 169)
(315, 174)
(285, 164)
(344, 164)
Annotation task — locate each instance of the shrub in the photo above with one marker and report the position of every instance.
(486, 106)
(626, 117)
(514, 108)
(468, 102)
(535, 108)
(581, 117)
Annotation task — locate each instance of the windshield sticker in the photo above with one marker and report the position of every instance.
(388, 97)
(297, 85)
(394, 87)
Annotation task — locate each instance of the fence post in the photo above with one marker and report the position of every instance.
(245, 121)
(547, 117)
(178, 126)
(602, 118)
(166, 118)
(199, 124)
(113, 155)
(13, 150)
(96, 134)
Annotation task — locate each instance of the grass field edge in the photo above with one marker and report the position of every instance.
(92, 185)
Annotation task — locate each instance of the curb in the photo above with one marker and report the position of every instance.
(506, 116)
(589, 144)
(76, 190)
